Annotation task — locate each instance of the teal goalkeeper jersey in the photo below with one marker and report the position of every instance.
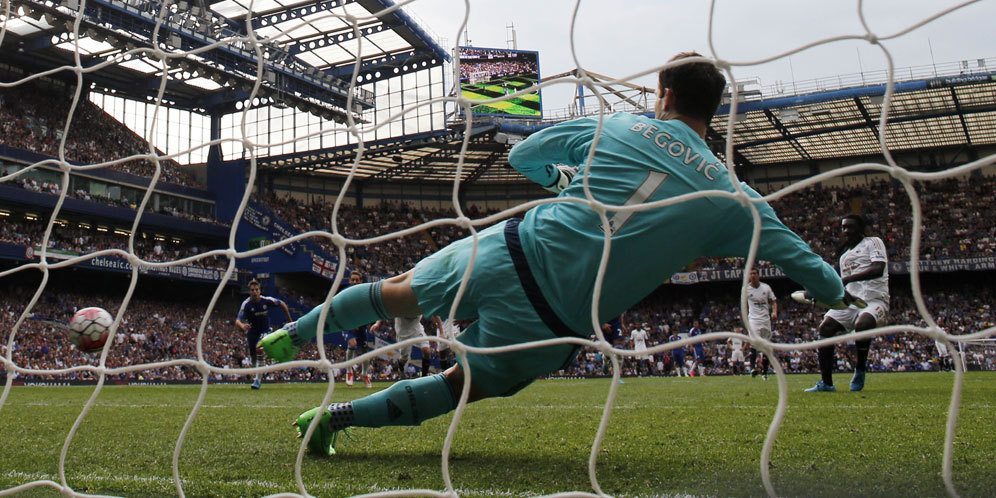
(637, 160)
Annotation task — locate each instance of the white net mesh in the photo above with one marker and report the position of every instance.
(342, 240)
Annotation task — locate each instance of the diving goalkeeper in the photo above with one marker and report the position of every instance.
(533, 278)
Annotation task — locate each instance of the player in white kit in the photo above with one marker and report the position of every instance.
(762, 307)
(736, 353)
(864, 270)
(409, 328)
(943, 353)
(639, 337)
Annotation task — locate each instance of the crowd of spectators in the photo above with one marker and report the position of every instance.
(960, 311)
(156, 330)
(955, 224)
(46, 187)
(152, 330)
(383, 259)
(72, 238)
(33, 118)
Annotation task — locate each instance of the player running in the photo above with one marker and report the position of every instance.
(864, 270)
(533, 278)
(354, 339)
(760, 299)
(254, 320)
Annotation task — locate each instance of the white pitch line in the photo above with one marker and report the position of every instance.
(736, 407)
(534, 407)
(151, 405)
(76, 478)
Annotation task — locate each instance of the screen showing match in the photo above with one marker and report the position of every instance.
(489, 73)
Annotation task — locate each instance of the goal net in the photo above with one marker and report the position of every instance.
(978, 354)
(977, 348)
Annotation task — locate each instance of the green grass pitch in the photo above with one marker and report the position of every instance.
(666, 437)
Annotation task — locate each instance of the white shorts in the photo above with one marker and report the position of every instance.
(762, 327)
(410, 328)
(641, 356)
(737, 356)
(847, 317)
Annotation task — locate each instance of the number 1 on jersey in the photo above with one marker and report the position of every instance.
(650, 184)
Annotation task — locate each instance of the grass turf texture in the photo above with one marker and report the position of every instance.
(666, 436)
(525, 105)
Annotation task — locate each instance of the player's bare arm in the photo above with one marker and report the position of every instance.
(283, 305)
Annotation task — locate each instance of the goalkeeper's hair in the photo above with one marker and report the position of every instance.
(697, 86)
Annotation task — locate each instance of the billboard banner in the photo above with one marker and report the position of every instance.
(491, 73)
(113, 263)
(261, 219)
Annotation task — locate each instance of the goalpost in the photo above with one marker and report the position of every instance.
(343, 240)
(978, 354)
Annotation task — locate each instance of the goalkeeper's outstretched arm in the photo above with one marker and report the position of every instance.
(784, 248)
(550, 157)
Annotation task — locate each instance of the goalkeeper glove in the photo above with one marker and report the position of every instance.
(565, 174)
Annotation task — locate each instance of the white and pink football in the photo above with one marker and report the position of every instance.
(89, 329)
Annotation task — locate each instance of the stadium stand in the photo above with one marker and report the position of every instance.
(33, 118)
(159, 329)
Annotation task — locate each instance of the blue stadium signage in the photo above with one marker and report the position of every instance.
(962, 79)
(21, 252)
(258, 218)
(896, 267)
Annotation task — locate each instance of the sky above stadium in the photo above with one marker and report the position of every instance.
(618, 39)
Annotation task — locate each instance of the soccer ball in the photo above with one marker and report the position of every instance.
(89, 329)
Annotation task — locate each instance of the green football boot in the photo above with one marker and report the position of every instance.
(323, 439)
(278, 346)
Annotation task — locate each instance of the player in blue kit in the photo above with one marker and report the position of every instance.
(533, 278)
(357, 342)
(254, 320)
(613, 332)
(678, 356)
(698, 349)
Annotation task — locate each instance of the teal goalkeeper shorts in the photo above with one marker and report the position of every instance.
(495, 297)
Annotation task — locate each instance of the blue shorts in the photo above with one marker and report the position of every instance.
(252, 339)
(496, 298)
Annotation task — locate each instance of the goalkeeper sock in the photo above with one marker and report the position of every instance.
(825, 355)
(407, 402)
(356, 306)
(861, 349)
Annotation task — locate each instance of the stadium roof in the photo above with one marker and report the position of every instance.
(932, 112)
(309, 49)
